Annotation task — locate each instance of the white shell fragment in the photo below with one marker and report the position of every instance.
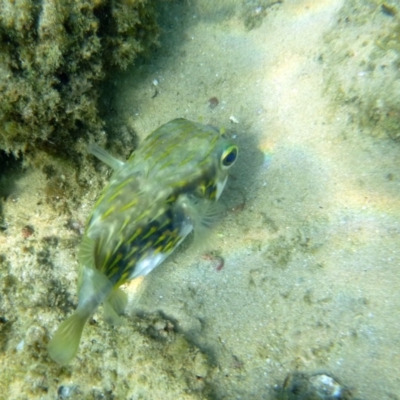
(313, 387)
(325, 387)
(233, 119)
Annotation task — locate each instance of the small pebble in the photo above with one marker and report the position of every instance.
(27, 231)
(213, 102)
(20, 345)
(315, 387)
(325, 387)
(65, 391)
(388, 10)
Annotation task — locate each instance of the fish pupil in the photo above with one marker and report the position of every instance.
(229, 158)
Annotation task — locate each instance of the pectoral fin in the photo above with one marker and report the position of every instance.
(204, 214)
(110, 315)
(94, 288)
(118, 300)
(114, 306)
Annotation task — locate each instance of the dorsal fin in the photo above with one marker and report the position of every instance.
(104, 156)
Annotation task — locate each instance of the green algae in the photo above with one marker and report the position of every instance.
(54, 55)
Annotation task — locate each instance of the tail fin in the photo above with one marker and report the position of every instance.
(65, 342)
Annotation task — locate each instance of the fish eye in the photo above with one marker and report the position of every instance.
(229, 156)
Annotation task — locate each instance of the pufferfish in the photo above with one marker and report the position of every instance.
(168, 187)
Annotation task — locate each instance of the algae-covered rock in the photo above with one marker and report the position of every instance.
(53, 55)
(147, 359)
